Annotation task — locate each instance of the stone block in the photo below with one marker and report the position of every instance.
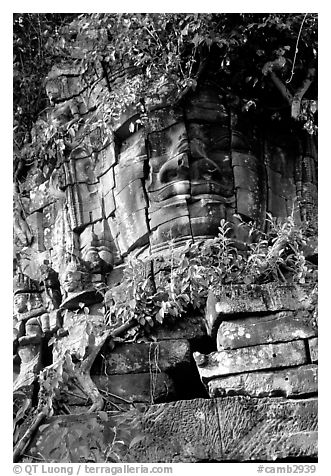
(166, 144)
(130, 200)
(289, 297)
(130, 167)
(84, 205)
(279, 327)
(133, 230)
(280, 185)
(232, 300)
(107, 181)
(106, 158)
(313, 349)
(291, 382)
(142, 387)
(221, 429)
(276, 205)
(188, 327)
(272, 297)
(147, 357)
(109, 203)
(168, 210)
(205, 216)
(183, 431)
(248, 202)
(170, 190)
(248, 359)
(267, 429)
(178, 230)
(81, 170)
(35, 222)
(245, 160)
(245, 177)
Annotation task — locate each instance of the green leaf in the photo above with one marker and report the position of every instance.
(137, 439)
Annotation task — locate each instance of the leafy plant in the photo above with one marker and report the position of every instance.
(276, 255)
(143, 60)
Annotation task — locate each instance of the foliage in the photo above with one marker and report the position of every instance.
(159, 55)
(105, 438)
(143, 60)
(183, 280)
(273, 256)
(32, 61)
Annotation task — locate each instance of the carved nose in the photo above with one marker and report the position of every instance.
(175, 169)
(206, 169)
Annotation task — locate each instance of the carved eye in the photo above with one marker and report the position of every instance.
(175, 169)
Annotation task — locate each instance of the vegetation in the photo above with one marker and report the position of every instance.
(275, 256)
(147, 59)
(144, 60)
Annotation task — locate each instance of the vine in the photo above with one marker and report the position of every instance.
(273, 256)
(184, 280)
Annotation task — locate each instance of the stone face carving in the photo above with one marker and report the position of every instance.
(172, 180)
(142, 188)
(82, 333)
(30, 323)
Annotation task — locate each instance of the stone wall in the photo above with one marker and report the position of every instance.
(234, 382)
(261, 381)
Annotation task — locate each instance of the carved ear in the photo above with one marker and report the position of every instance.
(56, 184)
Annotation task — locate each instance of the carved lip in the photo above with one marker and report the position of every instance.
(209, 191)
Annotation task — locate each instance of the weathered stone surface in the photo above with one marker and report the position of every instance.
(182, 431)
(142, 387)
(133, 231)
(279, 327)
(267, 429)
(130, 200)
(246, 359)
(131, 161)
(105, 159)
(276, 204)
(188, 327)
(136, 358)
(178, 230)
(169, 210)
(122, 389)
(237, 299)
(227, 429)
(313, 349)
(198, 211)
(289, 382)
(231, 301)
(245, 177)
(280, 185)
(248, 202)
(245, 160)
(35, 222)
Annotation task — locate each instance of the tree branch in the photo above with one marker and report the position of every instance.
(306, 84)
(281, 87)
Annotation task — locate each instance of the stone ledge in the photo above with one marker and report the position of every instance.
(140, 387)
(313, 349)
(221, 429)
(248, 359)
(291, 382)
(144, 357)
(266, 298)
(279, 327)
